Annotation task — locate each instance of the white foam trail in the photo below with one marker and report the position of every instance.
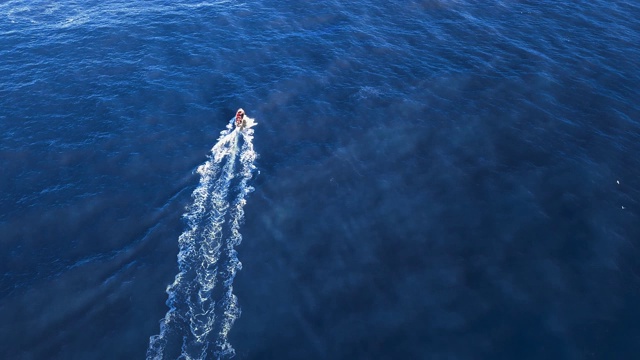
(229, 302)
(202, 306)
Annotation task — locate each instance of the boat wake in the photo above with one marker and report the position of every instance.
(202, 306)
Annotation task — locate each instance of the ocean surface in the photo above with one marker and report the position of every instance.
(427, 179)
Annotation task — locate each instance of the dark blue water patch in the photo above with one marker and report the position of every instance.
(525, 249)
(511, 206)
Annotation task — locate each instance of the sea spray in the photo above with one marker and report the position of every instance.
(202, 306)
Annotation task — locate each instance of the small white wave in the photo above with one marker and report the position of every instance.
(62, 15)
(43, 14)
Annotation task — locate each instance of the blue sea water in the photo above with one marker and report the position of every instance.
(448, 179)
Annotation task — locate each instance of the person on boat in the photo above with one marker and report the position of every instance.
(240, 118)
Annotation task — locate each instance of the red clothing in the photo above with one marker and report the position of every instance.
(239, 117)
